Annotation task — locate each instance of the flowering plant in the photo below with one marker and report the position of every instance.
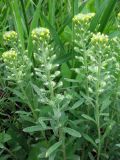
(55, 116)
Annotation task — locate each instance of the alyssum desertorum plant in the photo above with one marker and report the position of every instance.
(99, 76)
(44, 85)
(38, 84)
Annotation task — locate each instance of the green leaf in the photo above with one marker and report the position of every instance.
(52, 4)
(32, 26)
(77, 104)
(102, 15)
(91, 156)
(89, 139)
(71, 132)
(54, 34)
(1, 146)
(118, 145)
(4, 137)
(105, 104)
(53, 148)
(106, 15)
(36, 89)
(16, 12)
(35, 129)
(88, 118)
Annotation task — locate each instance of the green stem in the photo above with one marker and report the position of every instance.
(98, 107)
(86, 72)
(61, 138)
(26, 97)
(50, 86)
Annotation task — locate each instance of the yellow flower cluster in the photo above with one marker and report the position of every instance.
(83, 18)
(99, 38)
(40, 34)
(10, 36)
(9, 55)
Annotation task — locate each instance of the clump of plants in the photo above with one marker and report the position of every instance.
(75, 122)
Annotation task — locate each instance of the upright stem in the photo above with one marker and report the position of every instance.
(98, 107)
(86, 72)
(25, 95)
(52, 95)
(61, 137)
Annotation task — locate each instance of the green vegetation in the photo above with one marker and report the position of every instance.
(59, 80)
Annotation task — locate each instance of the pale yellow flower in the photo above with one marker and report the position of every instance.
(83, 18)
(99, 38)
(40, 34)
(9, 56)
(10, 36)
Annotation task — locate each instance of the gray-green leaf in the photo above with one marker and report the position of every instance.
(53, 148)
(72, 132)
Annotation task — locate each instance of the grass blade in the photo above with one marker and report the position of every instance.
(16, 12)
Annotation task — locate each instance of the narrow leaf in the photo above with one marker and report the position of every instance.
(35, 129)
(89, 139)
(77, 104)
(72, 132)
(53, 148)
(88, 118)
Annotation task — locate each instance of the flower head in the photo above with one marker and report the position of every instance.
(10, 36)
(99, 39)
(83, 18)
(9, 56)
(40, 34)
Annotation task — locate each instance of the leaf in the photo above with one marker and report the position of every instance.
(17, 16)
(89, 139)
(102, 15)
(32, 26)
(77, 104)
(71, 132)
(4, 137)
(118, 145)
(53, 148)
(54, 34)
(107, 131)
(88, 118)
(91, 156)
(52, 5)
(35, 129)
(105, 104)
(36, 89)
(106, 15)
(1, 146)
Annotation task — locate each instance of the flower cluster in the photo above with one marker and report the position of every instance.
(17, 64)
(9, 56)
(10, 36)
(99, 39)
(81, 28)
(40, 34)
(44, 57)
(83, 18)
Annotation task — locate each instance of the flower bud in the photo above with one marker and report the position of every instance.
(83, 18)
(40, 34)
(9, 56)
(99, 39)
(10, 36)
